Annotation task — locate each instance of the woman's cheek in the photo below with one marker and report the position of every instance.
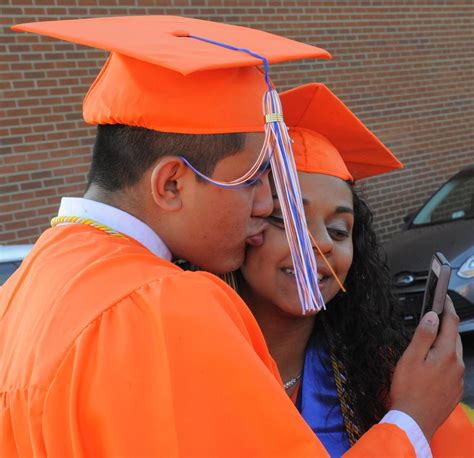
(346, 261)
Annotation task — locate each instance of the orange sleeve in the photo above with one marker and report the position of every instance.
(455, 437)
(172, 370)
(385, 440)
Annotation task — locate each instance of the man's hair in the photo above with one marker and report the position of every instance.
(122, 154)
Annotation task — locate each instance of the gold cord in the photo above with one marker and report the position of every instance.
(348, 414)
(88, 222)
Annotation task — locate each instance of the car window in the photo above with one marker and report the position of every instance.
(454, 200)
(6, 269)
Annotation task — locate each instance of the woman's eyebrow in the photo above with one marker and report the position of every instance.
(344, 210)
(339, 209)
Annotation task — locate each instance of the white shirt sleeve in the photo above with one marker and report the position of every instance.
(412, 430)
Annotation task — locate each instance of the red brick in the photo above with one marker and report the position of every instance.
(33, 233)
(18, 177)
(9, 188)
(25, 214)
(8, 237)
(15, 225)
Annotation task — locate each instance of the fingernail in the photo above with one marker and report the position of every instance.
(430, 318)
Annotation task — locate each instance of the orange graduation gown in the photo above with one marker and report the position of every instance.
(455, 437)
(108, 350)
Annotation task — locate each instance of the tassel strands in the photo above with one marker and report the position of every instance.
(291, 201)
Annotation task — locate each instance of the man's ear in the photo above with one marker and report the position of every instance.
(166, 183)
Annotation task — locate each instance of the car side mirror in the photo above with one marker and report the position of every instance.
(408, 217)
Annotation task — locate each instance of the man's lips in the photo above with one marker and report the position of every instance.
(256, 239)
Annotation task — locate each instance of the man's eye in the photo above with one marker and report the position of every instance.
(276, 221)
(253, 183)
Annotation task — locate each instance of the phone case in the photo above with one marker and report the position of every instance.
(443, 274)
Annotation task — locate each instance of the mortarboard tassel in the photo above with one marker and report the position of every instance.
(289, 194)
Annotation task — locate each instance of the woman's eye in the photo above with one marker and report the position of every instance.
(338, 234)
(276, 221)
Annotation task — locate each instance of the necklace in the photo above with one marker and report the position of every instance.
(87, 222)
(292, 382)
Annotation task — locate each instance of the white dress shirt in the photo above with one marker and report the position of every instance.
(412, 430)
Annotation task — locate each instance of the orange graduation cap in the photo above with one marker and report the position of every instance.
(328, 138)
(159, 77)
(190, 76)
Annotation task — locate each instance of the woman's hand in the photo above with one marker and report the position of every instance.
(428, 379)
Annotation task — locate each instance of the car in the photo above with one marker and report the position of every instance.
(445, 223)
(10, 259)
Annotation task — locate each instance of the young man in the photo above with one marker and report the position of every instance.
(107, 348)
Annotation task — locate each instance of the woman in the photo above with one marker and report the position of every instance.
(337, 365)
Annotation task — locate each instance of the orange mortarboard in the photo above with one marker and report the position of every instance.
(190, 76)
(328, 138)
(159, 77)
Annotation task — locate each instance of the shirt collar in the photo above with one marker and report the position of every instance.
(116, 219)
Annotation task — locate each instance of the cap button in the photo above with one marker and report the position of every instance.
(180, 33)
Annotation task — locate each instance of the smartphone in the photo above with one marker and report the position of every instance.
(437, 285)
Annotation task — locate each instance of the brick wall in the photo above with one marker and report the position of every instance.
(404, 67)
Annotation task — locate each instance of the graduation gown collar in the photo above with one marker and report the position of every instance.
(118, 220)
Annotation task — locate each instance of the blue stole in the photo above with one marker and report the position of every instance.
(318, 401)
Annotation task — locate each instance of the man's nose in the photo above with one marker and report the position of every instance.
(263, 201)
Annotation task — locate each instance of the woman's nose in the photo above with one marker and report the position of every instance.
(324, 241)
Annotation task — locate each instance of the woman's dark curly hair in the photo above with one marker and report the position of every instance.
(363, 326)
